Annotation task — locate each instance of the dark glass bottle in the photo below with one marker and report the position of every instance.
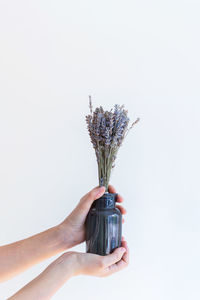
(103, 225)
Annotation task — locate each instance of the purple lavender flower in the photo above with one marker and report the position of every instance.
(107, 130)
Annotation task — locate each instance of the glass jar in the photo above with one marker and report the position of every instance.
(103, 225)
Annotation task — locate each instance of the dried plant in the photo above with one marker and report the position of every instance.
(107, 130)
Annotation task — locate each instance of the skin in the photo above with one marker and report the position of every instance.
(19, 256)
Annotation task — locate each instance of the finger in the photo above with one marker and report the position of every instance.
(122, 209)
(119, 198)
(123, 263)
(123, 220)
(87, 200)
(112, 189)
(125, 257)
(114, 257)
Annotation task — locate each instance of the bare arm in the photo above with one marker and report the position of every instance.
(45, 285)
(72, 264)
(19, 256)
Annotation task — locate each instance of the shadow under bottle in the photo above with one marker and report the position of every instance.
(103, 225)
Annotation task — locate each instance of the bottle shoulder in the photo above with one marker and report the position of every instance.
(111, 211)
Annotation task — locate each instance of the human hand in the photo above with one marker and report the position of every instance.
(73, 227)
(72, 264)
(103, 266)
(92, 264)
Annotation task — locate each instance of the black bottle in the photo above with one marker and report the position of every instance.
(103, 225)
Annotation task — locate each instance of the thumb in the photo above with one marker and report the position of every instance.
(87, 200)
(114, 257)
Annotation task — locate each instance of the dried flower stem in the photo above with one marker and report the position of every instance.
(107, 130)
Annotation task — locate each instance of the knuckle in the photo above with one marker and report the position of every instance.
(90, 193)
(88, 197)
(82, 201)
(69, 253)
(118, 256)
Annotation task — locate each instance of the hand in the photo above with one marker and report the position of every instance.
(72, 264)
(92, 264)
(21, 255)
(73, 227)
(103, 266)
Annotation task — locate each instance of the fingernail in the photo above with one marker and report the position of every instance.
(122, 249)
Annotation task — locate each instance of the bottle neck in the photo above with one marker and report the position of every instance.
(106, 201)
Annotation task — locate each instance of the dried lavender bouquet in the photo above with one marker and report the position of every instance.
(107, 130)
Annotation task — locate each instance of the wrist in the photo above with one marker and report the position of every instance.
(50, 280)
(64, 236)
(67, 265)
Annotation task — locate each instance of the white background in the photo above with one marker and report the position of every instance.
(144, 54)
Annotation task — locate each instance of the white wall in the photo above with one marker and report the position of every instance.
(144, 54)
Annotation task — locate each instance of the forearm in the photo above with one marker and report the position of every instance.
(71, 264)
(47, 283)
(19, 256)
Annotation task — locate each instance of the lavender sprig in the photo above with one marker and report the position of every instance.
(107, 130)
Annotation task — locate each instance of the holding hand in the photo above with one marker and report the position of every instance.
(103, 266)
(56, 239)
(73, 227)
